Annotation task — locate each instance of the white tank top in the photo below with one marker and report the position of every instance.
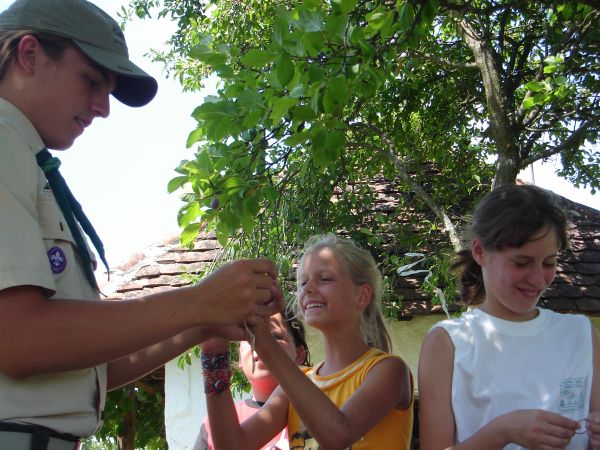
(502, 366)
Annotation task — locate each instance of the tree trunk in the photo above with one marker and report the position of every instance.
(508, 163)
(126, 440)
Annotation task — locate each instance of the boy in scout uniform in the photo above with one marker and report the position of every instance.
(61, 348)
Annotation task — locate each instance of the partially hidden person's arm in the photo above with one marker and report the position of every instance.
(225, 429)
(132, 367)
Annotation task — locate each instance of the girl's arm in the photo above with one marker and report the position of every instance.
(386, 386)
(529, 428)
(254, 432)
(593, 425)
(134, 366)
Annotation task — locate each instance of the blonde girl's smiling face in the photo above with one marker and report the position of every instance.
(516, 277)
(326, 294)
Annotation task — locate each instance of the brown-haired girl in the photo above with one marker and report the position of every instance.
(508, 374)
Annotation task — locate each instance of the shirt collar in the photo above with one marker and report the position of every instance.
(15, 118)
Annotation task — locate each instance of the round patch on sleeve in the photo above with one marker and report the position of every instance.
(58, 260)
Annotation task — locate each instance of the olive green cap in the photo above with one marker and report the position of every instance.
(94, 32)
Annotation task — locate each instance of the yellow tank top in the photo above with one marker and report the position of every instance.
(392, 433)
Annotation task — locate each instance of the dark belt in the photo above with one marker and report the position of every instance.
(40, 436)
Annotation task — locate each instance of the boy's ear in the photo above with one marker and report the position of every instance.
(28, 51)
(477, 251)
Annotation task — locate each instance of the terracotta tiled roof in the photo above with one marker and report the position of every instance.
(162, 266)
(165, 265)
(576, 287)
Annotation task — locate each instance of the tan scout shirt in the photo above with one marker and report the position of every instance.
(37, 248)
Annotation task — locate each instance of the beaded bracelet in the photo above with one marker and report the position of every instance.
(217, 372)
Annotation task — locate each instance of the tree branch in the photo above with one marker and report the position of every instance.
(421, 193)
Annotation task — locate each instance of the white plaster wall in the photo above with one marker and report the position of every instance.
(185, 406)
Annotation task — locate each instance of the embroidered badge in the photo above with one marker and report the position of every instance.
(58, 260)
(571, 396)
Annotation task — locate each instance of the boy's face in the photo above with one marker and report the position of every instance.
(71, 93)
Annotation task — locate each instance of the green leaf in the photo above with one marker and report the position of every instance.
(311, 4)
(313, 43)
(298, 91)
(303, 113)
(281, 106)
(335, 142)
(336, 95)
(204, 164)
(206, 55)
(314, 102)
(528, 103)
(176, 183)
(406, 16)
(189, 214)
(189, 233)
(336, 26)
(257, 58)
(252, 205)
(250, 99)
(540, 98)
(376, 18)
(535, 86)
(195, 136)
(248, 223)
(234, 185)
(326, 146)
(211, 111)
(560, 80)
(311, 21)
(280, 29)
(253, 118)
(285, 69)
(298, 138)
(315, 73)
(222, 232)
(345, 5)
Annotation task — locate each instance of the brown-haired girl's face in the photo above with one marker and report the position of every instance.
(516, 277)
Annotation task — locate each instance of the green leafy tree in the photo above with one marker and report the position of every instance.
(316, 96)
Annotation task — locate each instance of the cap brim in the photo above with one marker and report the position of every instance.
(134, 86)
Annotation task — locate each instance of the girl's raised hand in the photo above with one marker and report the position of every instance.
(537, 429)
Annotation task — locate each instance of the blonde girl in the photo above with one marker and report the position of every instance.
(360, 396)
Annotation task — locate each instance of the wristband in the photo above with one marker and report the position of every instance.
(216, 370)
